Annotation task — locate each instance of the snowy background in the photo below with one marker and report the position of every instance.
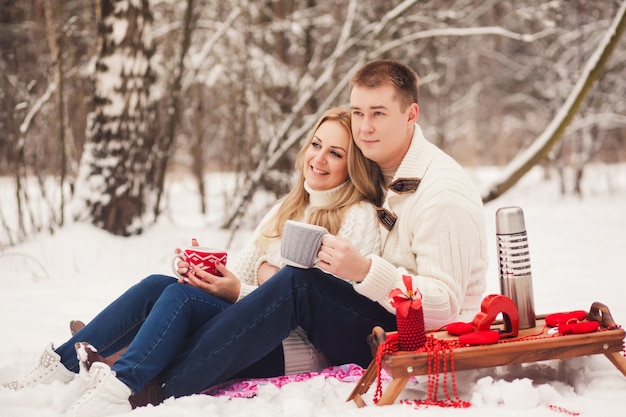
(577, 247)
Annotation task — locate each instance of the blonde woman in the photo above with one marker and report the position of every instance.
(164, 321)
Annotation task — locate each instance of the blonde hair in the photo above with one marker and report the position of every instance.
(365, 183)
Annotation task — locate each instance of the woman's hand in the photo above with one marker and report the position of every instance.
(265, 272)
(226, 287)
(182, 265)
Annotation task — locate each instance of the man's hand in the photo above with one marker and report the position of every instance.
(340, 257)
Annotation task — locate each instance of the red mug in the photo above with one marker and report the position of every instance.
(202, 257)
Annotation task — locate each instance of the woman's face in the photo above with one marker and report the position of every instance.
(326, 158)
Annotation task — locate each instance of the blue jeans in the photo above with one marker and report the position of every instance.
(115, 327)
(155, 317)
(190, 340)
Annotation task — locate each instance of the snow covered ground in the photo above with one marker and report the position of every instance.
(578, 247)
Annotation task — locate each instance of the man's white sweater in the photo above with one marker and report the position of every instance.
(438, 237)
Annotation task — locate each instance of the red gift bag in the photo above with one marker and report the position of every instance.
(409, 316)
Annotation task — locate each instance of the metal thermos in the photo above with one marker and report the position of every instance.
(514, 263)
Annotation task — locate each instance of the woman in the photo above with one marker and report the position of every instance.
(337, 188)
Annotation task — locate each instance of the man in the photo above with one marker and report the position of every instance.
(432, 220)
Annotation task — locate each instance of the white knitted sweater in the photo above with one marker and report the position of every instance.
(360, 226)
(438, 238)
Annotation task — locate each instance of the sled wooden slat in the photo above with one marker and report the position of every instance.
(526, 348)
(513, 352)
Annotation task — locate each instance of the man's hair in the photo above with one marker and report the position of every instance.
(388, 72)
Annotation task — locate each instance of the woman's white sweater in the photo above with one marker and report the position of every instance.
(360, 226)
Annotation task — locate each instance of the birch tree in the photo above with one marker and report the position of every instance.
(113, 182)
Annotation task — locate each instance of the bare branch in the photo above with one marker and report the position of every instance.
(459, 32)
(209, 45)
(24, 126)
(603, 120)
(553, 133)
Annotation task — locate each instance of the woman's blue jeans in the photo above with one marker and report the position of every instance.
(190, 340)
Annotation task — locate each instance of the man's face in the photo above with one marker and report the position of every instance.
(381, 129)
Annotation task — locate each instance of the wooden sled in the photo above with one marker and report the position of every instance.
(608, 340)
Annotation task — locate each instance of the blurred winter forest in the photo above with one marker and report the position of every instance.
(103, 102)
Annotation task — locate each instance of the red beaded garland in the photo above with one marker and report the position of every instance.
(437, 350)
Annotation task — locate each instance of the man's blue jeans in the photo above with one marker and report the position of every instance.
(190, 340)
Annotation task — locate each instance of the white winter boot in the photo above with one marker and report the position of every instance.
(49, 369)
(104, 394)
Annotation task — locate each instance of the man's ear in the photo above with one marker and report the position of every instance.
(413, 113)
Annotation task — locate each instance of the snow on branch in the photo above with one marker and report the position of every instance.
(603, 120)
(36, 107)
(459, 32)
(594, 67)
(209, 45)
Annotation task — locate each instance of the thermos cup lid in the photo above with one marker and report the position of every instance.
(509, 221)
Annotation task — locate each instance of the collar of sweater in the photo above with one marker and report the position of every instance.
(323, 198)
(417, 158)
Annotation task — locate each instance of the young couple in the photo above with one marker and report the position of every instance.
(413, 211)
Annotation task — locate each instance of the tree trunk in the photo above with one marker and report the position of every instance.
(55, 43)
(113, 181)
(173, 107)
